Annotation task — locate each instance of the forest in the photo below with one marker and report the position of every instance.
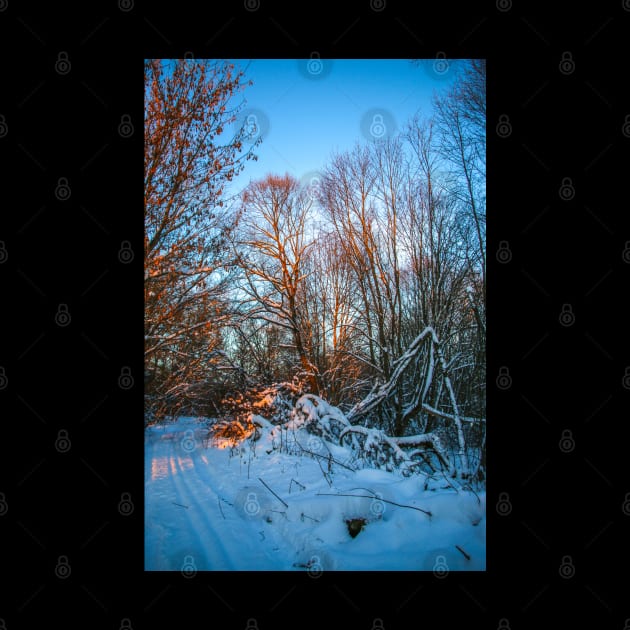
(352, 305)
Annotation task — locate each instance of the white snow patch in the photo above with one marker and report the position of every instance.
(209, 506)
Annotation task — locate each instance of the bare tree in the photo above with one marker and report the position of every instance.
(348, 187)
(461, 116)
(272, 246)
(331, 306)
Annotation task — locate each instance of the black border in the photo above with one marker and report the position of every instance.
(563, 252)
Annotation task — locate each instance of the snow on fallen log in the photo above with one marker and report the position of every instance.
(426, 439)
(382, 392)
(376, 440)
(319, 417)
(318, 410)
(315, 415)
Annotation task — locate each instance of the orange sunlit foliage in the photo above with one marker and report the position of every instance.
(230, 433)
(188, 159)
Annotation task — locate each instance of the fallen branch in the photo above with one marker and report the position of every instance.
(424, 439)
(394, 443)
(328, 481)
(469, 487)
(303, 516)
(365, 496)
(293, 481)
(463, 552)
(180, 505)
(449, 482)
(384, 391)
(425, 460)
(432, 411)
(272, 492)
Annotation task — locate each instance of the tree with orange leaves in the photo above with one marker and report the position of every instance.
(192, 150)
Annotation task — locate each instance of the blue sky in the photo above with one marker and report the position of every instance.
(307, 109)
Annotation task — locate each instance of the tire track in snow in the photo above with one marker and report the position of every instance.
(200, 527)
(244, 534)
(158, 490)
(217, 539)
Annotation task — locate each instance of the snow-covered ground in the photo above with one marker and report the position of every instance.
(207, 508)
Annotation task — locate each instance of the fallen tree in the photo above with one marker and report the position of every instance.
(383, 391)
(442, 451)
(377, 442)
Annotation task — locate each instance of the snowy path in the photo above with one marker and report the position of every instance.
(182, 515)
(207, 509)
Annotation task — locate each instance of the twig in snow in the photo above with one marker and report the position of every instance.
(220, 508)
(469, 487)
(463, 552)
(272, 492)
(324, 474)
(365, 496)
(296, 482)
(449, 482)
(180, 505)
(303, 516)
(280, 512)
(366, 489)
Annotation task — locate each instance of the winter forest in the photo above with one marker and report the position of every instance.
(315, 350)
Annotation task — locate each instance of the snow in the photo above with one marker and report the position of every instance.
(211, 506)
